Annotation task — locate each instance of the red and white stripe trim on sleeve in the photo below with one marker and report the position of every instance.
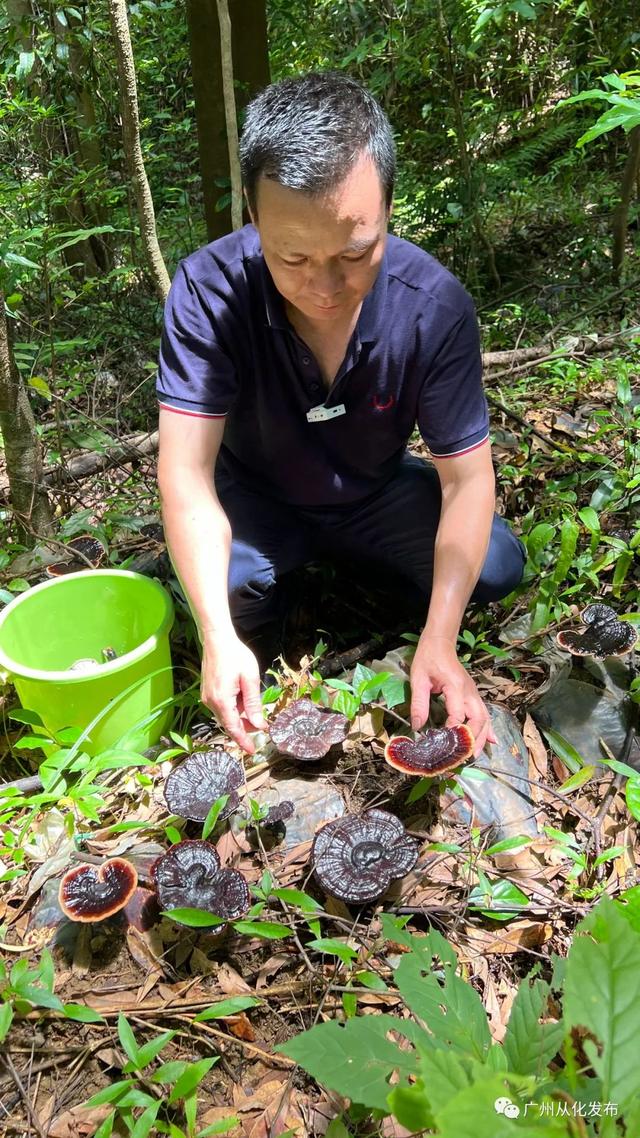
(465, 450)
(191, 414)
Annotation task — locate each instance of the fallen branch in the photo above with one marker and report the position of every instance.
(84, 465)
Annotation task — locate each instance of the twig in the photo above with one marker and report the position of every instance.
(6, 1059)
(616, 783)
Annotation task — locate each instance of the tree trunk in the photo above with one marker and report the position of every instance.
(230, 113)
(251, 74)
(21, 445)
(133, 148)
(621, 212)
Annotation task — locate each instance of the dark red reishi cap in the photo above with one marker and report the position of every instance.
(306, 731)
(142, 909)
(89, 546)
(94, 892)
(436, 751)
(193, 787)
(357, 857)
(604, 636)
(189, 876)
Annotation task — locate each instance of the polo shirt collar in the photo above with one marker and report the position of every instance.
(369, 320)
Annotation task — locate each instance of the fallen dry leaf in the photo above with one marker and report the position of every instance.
(221, 1114)
(473, 942)
(241, 1027)
(538, 758)
(269, 969)
(251, 1097)
(78, 1122)
(231, 847)
(231, 982)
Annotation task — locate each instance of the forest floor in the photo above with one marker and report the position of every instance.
(161, 979)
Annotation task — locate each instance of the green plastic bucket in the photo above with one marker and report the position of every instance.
(44, 631)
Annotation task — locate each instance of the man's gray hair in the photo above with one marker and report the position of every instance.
(307, 133)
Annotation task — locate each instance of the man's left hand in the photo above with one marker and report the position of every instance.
(436, 670)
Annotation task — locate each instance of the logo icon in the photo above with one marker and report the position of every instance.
(380, 403)
(507, 1107)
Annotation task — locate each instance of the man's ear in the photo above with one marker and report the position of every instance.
(390, 210)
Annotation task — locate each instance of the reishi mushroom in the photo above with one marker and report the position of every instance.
(91, 549)
(307, 731)
(604, 636)
(357, 856)
(436, 751)
(193, 787)
(190, 876)
(94, 892)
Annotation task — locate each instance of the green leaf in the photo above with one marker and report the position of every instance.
(270, 930)
(506, 901)
(609, 855)
(538, 539)
(296, 897)
(339, 685)
(105, 1129)
(363, 676)
(228, 1007)
(115, 1093)
(220, 1127)
(529, 1046)
(214, 814)
(453, 1011)
(346, 703)
(445, 1074)
(563, 749)
(471, 1113)
(410, 1106)
(419, 789)
(337, 1129)
(334, 947)
(81, 1014)
(143, 1124)
(602, 994)
(371, 980)
(170, 1072)
(194, 918)
(26, 60)
(632, 797)
(577, 779)
(127, 1039)
(192, 1078)
(6, 1019)
(355, 1060)
(395, 691)
(515, 843)
(149, 1051)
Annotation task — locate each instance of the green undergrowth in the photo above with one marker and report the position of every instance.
(566, 1064)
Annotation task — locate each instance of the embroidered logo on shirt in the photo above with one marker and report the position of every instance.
(381, 404)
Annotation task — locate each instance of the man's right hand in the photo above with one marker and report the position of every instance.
(231, 687)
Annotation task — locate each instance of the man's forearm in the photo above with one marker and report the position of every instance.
(460, 550)
(199, 540)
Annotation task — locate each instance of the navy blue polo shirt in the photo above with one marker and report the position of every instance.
(229, 350)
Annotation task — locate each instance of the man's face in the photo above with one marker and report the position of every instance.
(324, 252)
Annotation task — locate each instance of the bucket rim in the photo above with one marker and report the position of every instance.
(110, 668)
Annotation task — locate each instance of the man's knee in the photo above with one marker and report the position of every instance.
(252, 586)
(503, 567)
